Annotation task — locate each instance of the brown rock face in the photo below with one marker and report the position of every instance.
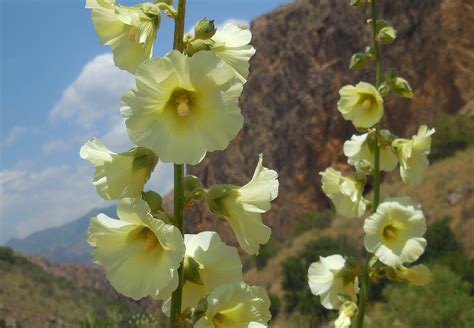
(289, 101)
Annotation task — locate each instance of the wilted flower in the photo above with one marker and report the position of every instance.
(130, 31)
(418, 274)
(139, 253)
(183, 106)
(344, 192)
(236, 305)
(208, 264)
(119, 175)
(329, 279)
(232, 45)
(394, 233)
(361, 104)
(243, 206)
(413, 155)
(358, 149)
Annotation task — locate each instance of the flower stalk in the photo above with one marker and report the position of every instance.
(364, 292)
(179, 198)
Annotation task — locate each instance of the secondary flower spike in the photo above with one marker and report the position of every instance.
(130, 31)
(329, 279)
(119, 175)
(139, 253)
(208, 264)
(236, 305)
(362, 104)
(394, 233)
(183, 107)
(344, 192)
(243, 207)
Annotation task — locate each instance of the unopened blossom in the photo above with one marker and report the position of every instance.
(139, 253)
(344, 192)
(119, 175)
(417, 274)
(347, 311)
(413, 155)
(236, 305)
(183, 107)
(328, 279)
(394, 233)
(208, 264)
(362, 104)
(130, 31)
(243, 206)
(358, 149)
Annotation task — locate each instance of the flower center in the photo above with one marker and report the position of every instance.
(148, 239)
(132, 34)
(390, 232)
(182, 102)
(367, 104)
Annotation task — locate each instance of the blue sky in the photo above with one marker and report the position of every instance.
(58, 88)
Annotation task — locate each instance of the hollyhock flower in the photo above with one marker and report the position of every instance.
(236, 305)
(183, 107)
(344, 192)
(394, 233)
(119, 175)
(243, 206)
(328, 279)
(130, 31)
(362, 104)
(139, 253)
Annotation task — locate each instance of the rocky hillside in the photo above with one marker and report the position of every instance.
(289, 102)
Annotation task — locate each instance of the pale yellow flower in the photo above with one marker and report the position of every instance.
(418, 274)
(130, 31)
(362, 104)
(394, 233)
(232, 45)
(413, 155)
(209, 263)
(119, 175)
(357, 149)
(139, 253)
(327, 280)
(344, 192)
(346, 312)
(236, 305)
(183, 107)
(243, 207)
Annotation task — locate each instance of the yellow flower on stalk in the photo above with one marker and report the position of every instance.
(413, 155)
(358, 149)
(236, 305)
(130, 31)
(328, 279)
(347, 310)
(394, 233)
(243, 206)
(362, 104)
(119, 175)
(139, 253)
(183, 107)
(344, 192)
(232, 45)
(208, 263)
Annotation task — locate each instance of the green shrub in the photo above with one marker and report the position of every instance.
(7, 255)
(267, 251)
(298, 296)
(445, 302)
(315, 220)
(275, 304)
(453, 133)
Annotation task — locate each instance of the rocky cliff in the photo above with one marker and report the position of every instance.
(289, 101)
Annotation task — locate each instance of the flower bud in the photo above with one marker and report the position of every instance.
(204, 29)
(358, 3)
(192, 188)
(387, 35)
(197, 45)
(384, 89)
(358, 60)
(154, 200)
(402, 88)
(363, 166)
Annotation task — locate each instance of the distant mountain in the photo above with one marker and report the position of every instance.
(64, 244)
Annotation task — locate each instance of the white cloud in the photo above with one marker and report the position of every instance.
(95, 94)
(57, 146)
(14, 134)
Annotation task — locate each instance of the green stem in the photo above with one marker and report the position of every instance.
(179, 200)
(364, 278)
